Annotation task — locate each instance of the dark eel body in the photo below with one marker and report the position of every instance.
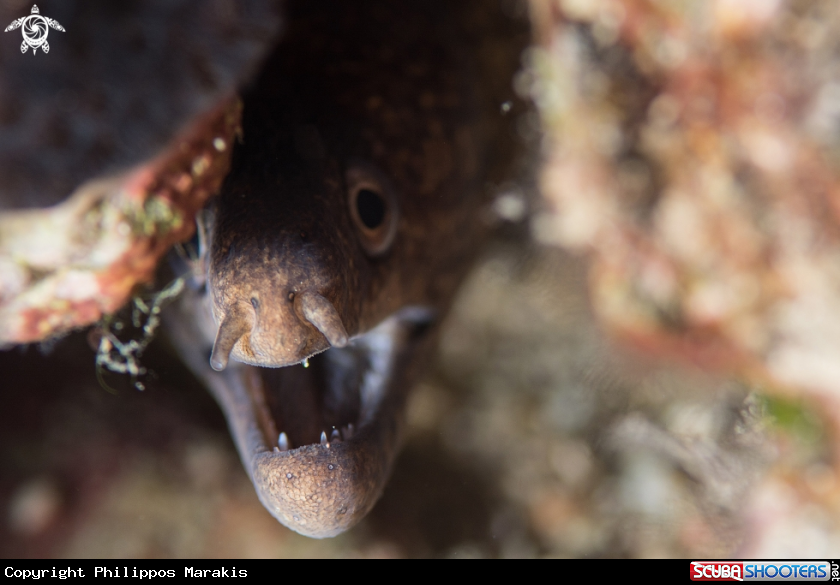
(352, 212)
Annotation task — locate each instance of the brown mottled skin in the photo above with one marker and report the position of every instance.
(397, 90)
(408, 111)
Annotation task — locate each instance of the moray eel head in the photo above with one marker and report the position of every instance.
(290, 261)
(307, 262)
(351, 213)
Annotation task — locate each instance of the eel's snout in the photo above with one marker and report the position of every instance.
(273, 332)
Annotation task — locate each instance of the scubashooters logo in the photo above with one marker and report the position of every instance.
(35, 29)
(762, 571)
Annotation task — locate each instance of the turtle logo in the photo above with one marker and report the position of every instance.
(35, 29)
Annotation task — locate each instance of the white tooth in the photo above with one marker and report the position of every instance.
(283, 442)
(323, 438)
(334, 436)
(347, 432)
(277, 449)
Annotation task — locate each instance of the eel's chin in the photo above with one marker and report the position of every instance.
(325, 434)
(318, 439)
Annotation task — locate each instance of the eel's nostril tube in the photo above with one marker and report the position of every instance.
(233, 327)
(321, 313)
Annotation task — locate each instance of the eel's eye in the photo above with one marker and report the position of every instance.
(373, 207)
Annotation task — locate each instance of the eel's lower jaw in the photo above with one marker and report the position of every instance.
(318, 490)
(320, 483)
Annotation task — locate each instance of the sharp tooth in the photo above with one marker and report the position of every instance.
(334, 436)
(283, 442)
(347, 432)
(323, 438)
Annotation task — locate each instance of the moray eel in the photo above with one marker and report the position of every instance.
(352, 212)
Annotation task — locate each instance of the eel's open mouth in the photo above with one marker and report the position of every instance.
(327, 397)
(318, 441)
